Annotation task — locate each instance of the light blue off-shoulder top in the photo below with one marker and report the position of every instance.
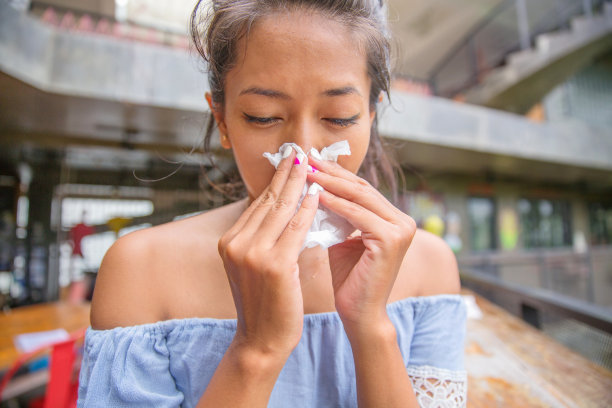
(170, 363)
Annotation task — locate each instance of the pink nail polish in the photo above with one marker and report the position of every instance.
(296, 161)
(314, 168)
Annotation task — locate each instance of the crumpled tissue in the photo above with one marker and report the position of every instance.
(327, 228)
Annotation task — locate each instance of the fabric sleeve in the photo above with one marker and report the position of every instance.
(436, 365)
(126, 367)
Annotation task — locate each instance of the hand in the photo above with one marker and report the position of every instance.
(364, 268)
(260, 254)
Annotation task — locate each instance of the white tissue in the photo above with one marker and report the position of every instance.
(327, 228)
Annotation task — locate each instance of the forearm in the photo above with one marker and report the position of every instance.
(242, 379)
(382, 379)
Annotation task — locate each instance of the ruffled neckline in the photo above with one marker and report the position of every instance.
(310, 319)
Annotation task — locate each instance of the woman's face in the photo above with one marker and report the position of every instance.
(301, 78)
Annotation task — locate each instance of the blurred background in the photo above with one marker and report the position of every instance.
(500, 115)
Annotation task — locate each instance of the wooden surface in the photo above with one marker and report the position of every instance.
(47, 316)
(511, 364)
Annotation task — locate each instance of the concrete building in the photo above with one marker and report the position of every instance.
(102, 110)
(78, 78)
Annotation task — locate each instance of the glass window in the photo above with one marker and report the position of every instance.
(545, 223)
(481, 212)
(600, 220)
(95, 211)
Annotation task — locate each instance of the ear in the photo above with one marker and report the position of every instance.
(220, 119)
(372, 116)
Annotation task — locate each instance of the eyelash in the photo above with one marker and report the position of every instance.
(344, 122)
(266, 121)
(259, 121)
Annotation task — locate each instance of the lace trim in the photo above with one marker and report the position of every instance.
(438, 387)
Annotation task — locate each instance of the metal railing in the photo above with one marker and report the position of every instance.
(511, 26)
(532, 302)
(581, 275)
(581, 326)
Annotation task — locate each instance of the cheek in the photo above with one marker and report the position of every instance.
(359, 148)
(255, 170)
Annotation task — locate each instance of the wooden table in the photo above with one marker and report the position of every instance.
(46, 316)
(512, 364)
(509, 363)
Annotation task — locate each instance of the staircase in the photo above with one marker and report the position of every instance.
(530, 74)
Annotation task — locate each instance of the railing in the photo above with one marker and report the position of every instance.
(579, 325)
(580, 275)
(509, 27)
(532, 302)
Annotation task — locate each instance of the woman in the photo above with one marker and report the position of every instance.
(225, 309)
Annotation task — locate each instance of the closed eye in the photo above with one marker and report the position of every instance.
(259, 120)
(343, 122)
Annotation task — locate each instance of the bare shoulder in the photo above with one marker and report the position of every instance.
(430, 266)
(124, 293)
(145, 269)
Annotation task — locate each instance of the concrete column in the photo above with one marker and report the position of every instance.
(587, 6)
(523, 24)
(42, 281)
(455, 203)
(580, 220)
(580, 238)
(508, 222)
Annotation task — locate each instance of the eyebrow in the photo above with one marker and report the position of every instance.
(347, 90)
(264, 92)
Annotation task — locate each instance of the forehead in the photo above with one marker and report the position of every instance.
(299, 51)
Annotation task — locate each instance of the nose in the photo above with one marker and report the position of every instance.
(306, 134)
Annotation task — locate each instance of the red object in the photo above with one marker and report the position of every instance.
(63, 386)
(61, 389)
(77, 292)
(77, 233)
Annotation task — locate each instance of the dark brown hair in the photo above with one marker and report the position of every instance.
(216, 30)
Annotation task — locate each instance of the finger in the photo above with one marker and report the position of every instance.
(336, 170)
(284, 208)
(333, 169)
(270, 195)
(360, 192)
(246, 215)
(359, 217)
(294, 234)
(243, 218)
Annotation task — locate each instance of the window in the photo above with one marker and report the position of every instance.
(97, 211)
(545, 223)
(600, 221)
(482, 215)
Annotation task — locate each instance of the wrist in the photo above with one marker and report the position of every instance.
(253, 361)
(375, 331)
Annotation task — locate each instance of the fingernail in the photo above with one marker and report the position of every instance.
(296, 161)
(314, 189)
(286, 152)
(311, 169)
(314, 153)
(301, 157)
